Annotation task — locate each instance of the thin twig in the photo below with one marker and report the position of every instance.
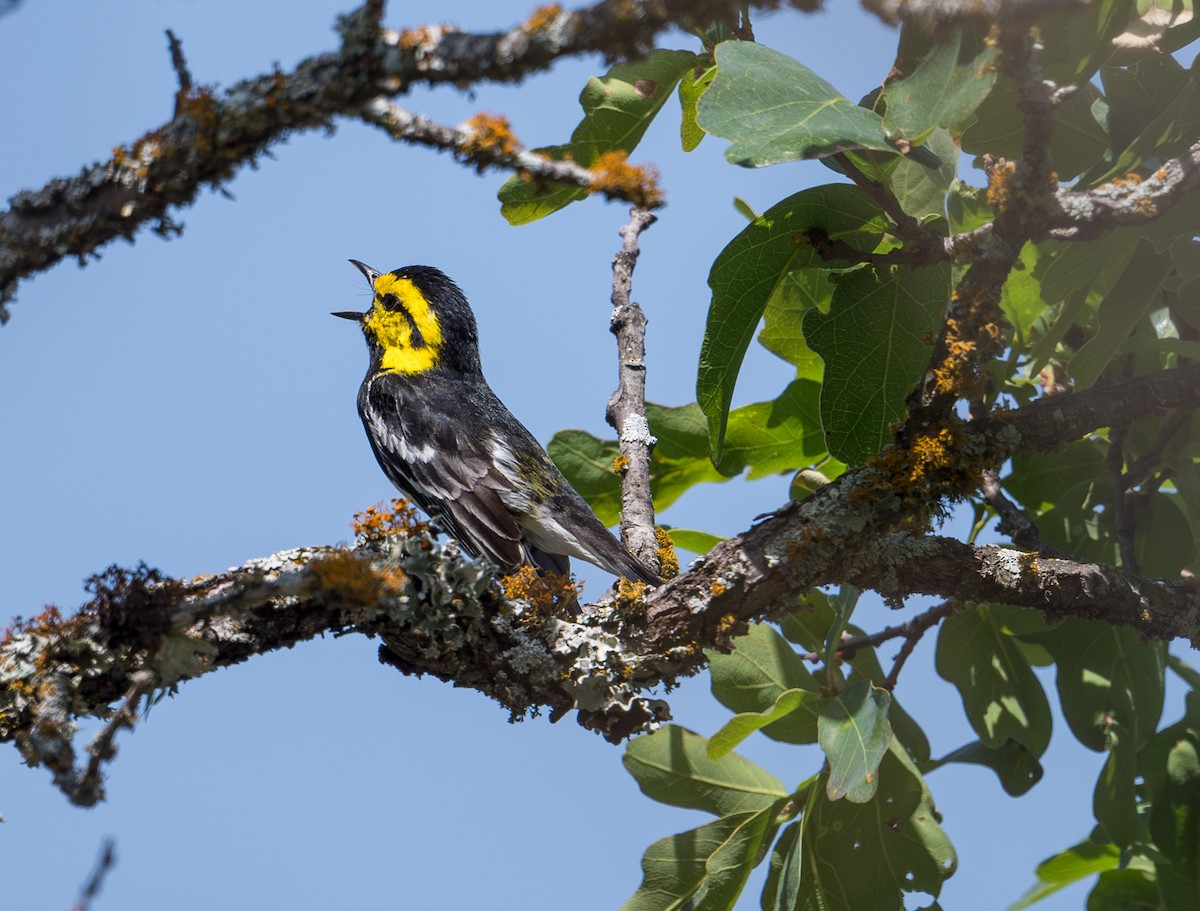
(108, 859)
(627, 406)
(89, 787)
(913, 627)
(486, 141)
(1019, 528)
(906, 226)
(179, 64)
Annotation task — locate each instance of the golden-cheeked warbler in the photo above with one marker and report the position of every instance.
(448, 443)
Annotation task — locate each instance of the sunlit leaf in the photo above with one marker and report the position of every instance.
(773, 109)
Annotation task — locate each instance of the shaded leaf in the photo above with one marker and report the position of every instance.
(920, 190)
(1001, 695)
(939, 88)
(781, 891)
(703, 869)
(854, 733)
(875, 342)
(1017, 768)
(1137, 290)
(746, 274)
(754, 676)
(672, 766)
(863, 857)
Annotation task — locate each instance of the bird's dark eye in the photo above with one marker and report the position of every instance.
(391, 303)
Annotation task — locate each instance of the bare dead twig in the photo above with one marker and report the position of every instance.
(179, 64)
(1019, 528)
(627, 407)
(108, 859)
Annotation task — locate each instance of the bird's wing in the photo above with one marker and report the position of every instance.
(448, 473)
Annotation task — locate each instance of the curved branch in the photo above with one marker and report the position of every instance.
(211, 137)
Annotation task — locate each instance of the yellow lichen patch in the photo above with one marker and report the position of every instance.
(378, 522)
(631, 595)
(542, 17)
(489, 136)
(999, 190)
(668, 559)
(548, 594)
(615, 176)
(621, 464)
(716, 588)
(345, 576)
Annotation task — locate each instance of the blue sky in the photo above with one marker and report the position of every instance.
(191, 404)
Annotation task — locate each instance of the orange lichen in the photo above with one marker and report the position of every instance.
(616, 177)
(489, 136)
(668, 559)
(548, 594)
(346, 576)
(631, 598)
(378, 522)
(716, 588)
(1000, 185)
(413, 39)
(620, 464)
(542, 18)
(727, 628)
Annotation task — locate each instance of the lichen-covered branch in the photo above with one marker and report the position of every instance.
(212, 135)
(627, 406)
(439, 613)
(946, 12)
(487, 141)
(1021, 193)
(1130, 201)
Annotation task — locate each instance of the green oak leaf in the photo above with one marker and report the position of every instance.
(692, 87)
(1016, 767)
(774, 109)
(756, 674)
(853, 731)
(875, 341)
(672, 766)
(679, 460)
(1070, 866)
(617, 109)
(696, 542)
(864, 856)
(950, 78)
(704, 869)
(747, 273)
(743, 724)
(1001, 695)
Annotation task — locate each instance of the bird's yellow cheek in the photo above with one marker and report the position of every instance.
(411, 337)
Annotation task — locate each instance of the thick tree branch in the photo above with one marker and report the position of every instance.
(626, 411)
(211, 136)
(439, 613)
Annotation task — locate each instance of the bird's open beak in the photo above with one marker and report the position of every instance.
(371, 275)
(366, 270)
